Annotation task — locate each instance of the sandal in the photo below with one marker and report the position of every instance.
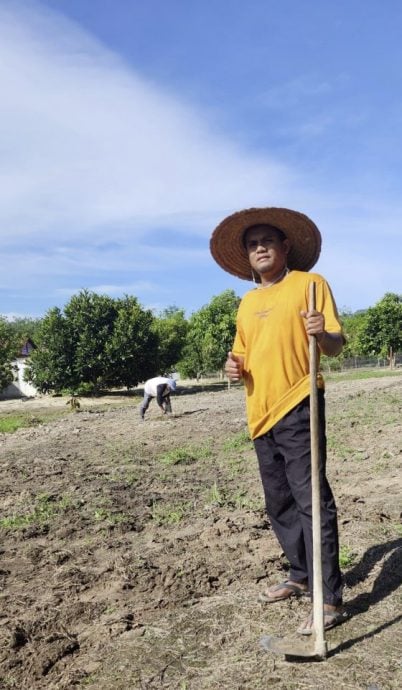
(331, 619)
(292, 591)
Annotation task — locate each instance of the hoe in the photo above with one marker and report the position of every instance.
(315, 646)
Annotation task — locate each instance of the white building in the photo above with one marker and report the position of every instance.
(20, 388)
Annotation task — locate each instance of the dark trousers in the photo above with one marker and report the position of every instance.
(284, 458)
(166, 404)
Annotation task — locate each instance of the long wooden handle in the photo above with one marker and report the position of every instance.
(318, 603)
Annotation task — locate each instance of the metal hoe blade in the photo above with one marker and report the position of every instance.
(295, 647)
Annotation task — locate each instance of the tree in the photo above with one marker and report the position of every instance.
(25, 327)
(51, 364)
(132, 350)
(210, 335)
(382, 331)
(8, 352)
(352, 324)
(171, 329)
(91, 319)
(97, 343)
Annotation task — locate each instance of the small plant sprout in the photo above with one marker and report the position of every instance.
(186, 454)
(346, 557)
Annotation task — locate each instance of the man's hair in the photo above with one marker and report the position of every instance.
(281, 235)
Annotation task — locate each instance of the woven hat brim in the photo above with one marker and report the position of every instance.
(228, 250)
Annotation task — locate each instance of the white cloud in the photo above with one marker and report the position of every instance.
(114, 290)
(87, 144)
(99, 169)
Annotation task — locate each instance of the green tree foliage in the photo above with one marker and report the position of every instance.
(210, 335)
(25, 328)
(132, 350)
(353, 324)
(8, 352)
(51, 365)
(91, 320)
(171, 329)
(98, 342)
(381, 333)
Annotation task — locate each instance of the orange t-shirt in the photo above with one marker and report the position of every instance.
(271, 337)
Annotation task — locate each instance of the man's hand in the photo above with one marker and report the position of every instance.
(314, 323)
(330, 344)
(234, 367)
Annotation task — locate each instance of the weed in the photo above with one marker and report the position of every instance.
(124, 476)
(339, 448)
(105, 514)
(169, 514)
(186, 454)
(119, 518)
(131, 478)
(11, 423)
(240, 441)
(346, 557)
(109, 610)
(235, 466)
(241, 499)
(379, 467)
(121, 454)
(101, 514)
(398, 529)
(88, 680)
(215, 496)
(45, 509)
(387, 455)
(9, 682)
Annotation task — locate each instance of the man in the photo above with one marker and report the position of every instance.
(276, 247)
(160, 388)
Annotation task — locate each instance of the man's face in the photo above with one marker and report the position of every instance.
(266, 250)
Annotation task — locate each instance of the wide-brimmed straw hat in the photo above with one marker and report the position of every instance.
(229, 252)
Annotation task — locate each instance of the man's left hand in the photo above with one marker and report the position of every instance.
(314, 323)
(330, 344)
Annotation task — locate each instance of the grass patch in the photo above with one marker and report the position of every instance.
(45, 509)
(346, 557)
(11, 423)
(359, 374)
(241, 499)
(170, 513)
(121, 454)
(186, 454)
(338, 447)
(106, 515)
(238, 442)
(214, 496)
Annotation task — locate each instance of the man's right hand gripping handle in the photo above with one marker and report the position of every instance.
(234, 367)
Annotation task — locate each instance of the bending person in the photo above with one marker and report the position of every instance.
(160, 388)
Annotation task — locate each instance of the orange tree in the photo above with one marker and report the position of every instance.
(381, 332)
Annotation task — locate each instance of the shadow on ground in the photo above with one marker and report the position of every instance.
(388, 581)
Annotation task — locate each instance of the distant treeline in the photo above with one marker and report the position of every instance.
(97, 343)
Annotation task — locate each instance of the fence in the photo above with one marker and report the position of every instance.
(344, 363)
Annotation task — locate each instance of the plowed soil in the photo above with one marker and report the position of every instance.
(132, 553)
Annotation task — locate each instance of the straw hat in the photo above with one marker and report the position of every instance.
(228, 250)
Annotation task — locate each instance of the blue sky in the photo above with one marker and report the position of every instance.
(130, 129)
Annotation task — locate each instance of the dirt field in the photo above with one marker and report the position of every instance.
(132, 553)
